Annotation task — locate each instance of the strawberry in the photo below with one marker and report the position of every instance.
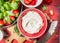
(14, 41)
(15, 11)
(26, 2)
(30, 0)
(1, 22)
(33, 2)
(48, 1)
(12, 18)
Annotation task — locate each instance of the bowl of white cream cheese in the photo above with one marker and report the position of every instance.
(32, 23)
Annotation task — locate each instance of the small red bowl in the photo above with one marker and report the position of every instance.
(35, 35)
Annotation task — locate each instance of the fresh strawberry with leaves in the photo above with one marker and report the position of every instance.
(1, 22)
(12, 18)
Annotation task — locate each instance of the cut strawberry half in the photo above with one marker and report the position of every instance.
(12, 18)
(33, 2)
(14, 41)
(1, 22)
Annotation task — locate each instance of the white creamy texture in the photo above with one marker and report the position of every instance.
(32, 22)
(1, 35)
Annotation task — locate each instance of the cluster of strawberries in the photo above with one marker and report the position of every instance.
(30, 2)
(11, 17)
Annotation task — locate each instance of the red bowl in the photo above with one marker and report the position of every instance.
(35, 35)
